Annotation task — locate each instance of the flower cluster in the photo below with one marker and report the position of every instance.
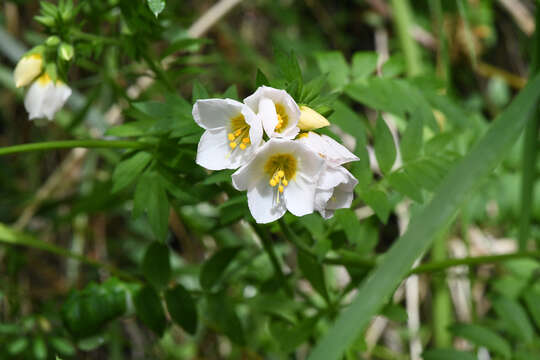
(294, 169)
(45, 95)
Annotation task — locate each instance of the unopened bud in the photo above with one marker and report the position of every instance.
(310, 119)
(27, 69)
(66, 51)
(52, 40)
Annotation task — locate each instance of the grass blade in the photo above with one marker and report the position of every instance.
(457, 184)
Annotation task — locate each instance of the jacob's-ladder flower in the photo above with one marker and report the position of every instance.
(45, 97)
(233, 133)
(282, 176)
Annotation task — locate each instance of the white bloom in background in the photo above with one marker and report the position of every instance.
(45, 98)
(310, 119)
(336, 184)
(277, 110)
(28, 67)
(233, 133)
(282, 176)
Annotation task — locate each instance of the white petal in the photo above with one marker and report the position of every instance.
(215, 113)
(35, 98)
(55, 99)
(337, 153)
(340, 199)
(213, 150)
(300, 196)
(248, 175)
(268, 116)
(332, 177)
(309, 163)
(262, 204)
(255, 124)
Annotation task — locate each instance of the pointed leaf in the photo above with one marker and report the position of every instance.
(214, 267)
(149, 309)
(385, 150)
(182, 308)
(156, 265)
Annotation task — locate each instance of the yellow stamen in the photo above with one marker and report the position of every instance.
(280, 173)
(285, 182)
(232, 145)
(245, 140)
(283, 118)
(231, 136)
(242, 146)
(238, 132)
(280, 188)
(273, 182)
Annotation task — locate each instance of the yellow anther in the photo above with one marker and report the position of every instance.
(238, 132)
(280, 173)
(280, 188)
(231, 136)
(243, 146)
(284, 182)
(232, 145)
(273, 182)
(245, 140)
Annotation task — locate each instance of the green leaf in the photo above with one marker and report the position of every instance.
(427, 222)
(364, 64)
(515, 318)
(401, 181)
(483, 336)
(288, 66)
(395, 313)
(149, 309)
(85, 312)
(133, 128)
(182, 308)
(532, 301)
(91, 343)
(157, 207)
(261, 79)
(378, 201)
(156, 265)
(223, 316)
(447, 354)
(231, 93)
(199, 91)
(313, 271)
(17, 346)
(63, 346)
(334, 64)
(291, 337)
(218, 177)
(385, 150)
(129, 169)
(156, 6)
(412, 139)
(39, 348)
(213, 268)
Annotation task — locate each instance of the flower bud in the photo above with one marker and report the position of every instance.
(66, 51)
(310, 119)
(27, 69)
(52, 41)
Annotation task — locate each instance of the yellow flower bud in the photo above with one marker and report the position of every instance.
(310, 119)
(27, 69)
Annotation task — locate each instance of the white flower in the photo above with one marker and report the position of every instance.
(45, 98)
(282, 176)
(233, 133)
(310, 119)
(28, 67)
(334, 190)
(336, 184)
(277, 110)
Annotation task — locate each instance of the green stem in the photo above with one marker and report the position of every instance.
(436, 265)
(530, 150)
(402, 18)
(269, 248)
(442, 306)
(291, 236)
(13, 237)
(70, 144)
